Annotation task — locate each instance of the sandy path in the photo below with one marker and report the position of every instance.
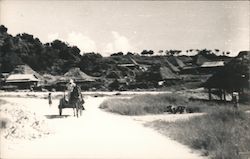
(96, 134)
(165, 117)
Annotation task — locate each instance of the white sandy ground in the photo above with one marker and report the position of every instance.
(96, 134)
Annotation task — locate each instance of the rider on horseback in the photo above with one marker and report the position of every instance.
(70, 88)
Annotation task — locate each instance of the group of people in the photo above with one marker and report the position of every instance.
(70, 87)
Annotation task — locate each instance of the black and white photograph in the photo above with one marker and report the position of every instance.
(124, 79)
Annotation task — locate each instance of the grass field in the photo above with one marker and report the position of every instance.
(157, 104)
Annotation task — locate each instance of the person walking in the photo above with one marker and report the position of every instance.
(235, 100)
(50, 99)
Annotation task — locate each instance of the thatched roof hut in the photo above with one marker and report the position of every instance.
(200, 59)
(14, 78)
(185, 59)
(25, 69)
(172, 67)
(176, 61)
(77, 75)
(22, 81)
(167, 74)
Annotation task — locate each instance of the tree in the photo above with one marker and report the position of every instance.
(130, 53)
(117, 54)
(144, 52)
(216, 50)
(147, 52)
(91, 62)
(173, 52)
(151, 52)
(168, 52)
(160, 52)
(3, 29)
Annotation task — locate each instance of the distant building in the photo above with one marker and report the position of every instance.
(212, 64)
(200, 59)
(80, 78)
(22, 81)
(135, 65)
(211, 67)
(176, 62)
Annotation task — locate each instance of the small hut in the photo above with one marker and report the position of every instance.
(79, 76)
(82, 79)
(25, 69)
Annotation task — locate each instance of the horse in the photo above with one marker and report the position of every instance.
(76, 102)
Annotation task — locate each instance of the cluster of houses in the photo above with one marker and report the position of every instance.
(23, 77)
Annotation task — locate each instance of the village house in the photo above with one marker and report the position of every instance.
(211, 67)
(21, 77)
(85, 81)
(22, 81)
(134, 65)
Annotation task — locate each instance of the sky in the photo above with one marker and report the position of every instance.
(111, 26)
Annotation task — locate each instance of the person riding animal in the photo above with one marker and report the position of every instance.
(73, 99)
(70, 87)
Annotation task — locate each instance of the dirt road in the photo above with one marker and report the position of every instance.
(96, 134)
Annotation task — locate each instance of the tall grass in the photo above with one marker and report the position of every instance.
(154, 104)
(221, 134)
(142, 104)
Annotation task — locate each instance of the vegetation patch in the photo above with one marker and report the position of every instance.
(155, 104)
(222, 133)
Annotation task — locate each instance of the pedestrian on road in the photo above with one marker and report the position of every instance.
(235, 100)
(50, 99)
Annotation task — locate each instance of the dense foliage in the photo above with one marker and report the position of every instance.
(55, 57)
